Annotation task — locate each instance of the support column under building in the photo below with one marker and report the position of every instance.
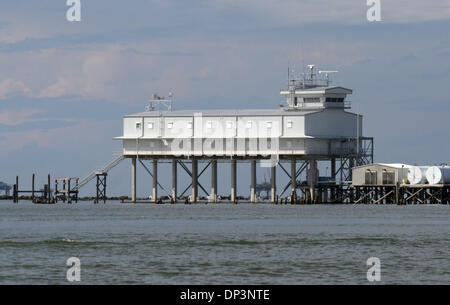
(273, 184)
(312, 178)
(213, 197)
(49, 190)
(233, 181)
(32, 188)
(333, 177)
(133, 179)
(253, 181)
(293, 179)
(194, 193)
(174, 180)
(351, 165)
(155, 181)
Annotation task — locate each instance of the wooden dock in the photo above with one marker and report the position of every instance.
(66, 190)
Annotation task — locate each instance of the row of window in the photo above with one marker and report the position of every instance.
(317, 100)
(311, 100)
(335, 99)
(209, 125)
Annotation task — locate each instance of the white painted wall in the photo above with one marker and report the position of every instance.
(297, 124)
(332, 123)
(129, 127)
(179, 127)
(212, 135)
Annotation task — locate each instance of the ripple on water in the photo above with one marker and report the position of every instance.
(223, 244)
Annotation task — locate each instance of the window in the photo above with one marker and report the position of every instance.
(249, 124)
(290, 124)
(388, 177)
(189, 125)
(170, 125)
(138, 125)
(295, 101)
(150, 125)
(335, 99)
(269, 125)
(311, 100)
(209, 125)
(370, 177)
(229, 124)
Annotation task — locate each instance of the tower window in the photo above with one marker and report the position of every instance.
(311, 100)
(334, 99)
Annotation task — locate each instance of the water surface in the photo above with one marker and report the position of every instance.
(223, 243)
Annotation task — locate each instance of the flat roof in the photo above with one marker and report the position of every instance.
(320, 90)
(393, 165)
(227, 112)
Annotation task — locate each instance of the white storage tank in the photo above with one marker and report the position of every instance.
(417, 174)
(438, 175)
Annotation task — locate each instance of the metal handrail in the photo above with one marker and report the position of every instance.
(104, 170)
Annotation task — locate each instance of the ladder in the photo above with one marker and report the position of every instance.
(104, 170)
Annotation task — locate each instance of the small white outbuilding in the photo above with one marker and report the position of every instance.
(380, 174)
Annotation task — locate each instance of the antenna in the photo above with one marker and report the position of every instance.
(357, 134)
(327, 75)
(160, 100)
(311, 71)
(303, 58)
(288, 75)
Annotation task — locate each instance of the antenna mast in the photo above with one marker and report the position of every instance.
(327, 75)
(311, 72)
(160, 100)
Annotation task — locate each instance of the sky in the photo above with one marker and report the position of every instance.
(64, 86)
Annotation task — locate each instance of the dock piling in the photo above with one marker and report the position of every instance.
(253, 181)
(133, 179)
(233, 181)
(174, 180)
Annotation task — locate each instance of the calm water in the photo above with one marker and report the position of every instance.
(223, 243)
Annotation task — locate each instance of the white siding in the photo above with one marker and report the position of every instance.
(211, 135)
(155, 131)
(332, 123)
(179, 127)
(129, 127)
(293, 126)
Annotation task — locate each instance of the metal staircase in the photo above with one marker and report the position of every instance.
(104, 170)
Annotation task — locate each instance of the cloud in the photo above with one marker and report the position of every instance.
(39, 25)
(62, 87)
(294, 12)
(98, 72)
(10, 87)
(66, 135)
(15, 118)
